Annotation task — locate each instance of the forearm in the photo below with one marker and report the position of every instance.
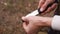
(53, 22)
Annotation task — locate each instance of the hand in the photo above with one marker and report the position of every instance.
(32, 23)
(44, 3)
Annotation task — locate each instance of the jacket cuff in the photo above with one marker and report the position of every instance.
(56, 22)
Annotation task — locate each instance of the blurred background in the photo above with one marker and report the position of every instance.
(11, 12)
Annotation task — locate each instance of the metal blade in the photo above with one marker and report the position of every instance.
(34, 13)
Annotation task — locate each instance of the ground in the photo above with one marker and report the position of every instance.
(11, 12)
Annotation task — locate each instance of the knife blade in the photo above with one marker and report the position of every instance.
(34, 13)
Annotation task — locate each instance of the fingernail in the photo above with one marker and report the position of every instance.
(41, 9)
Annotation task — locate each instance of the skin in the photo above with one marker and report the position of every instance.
(44, 3)
(32, 24)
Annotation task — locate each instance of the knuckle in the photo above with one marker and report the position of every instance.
(55, 5)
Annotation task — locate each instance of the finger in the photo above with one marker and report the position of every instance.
(54, 6)
(44, 6)
(24, 25)
(41, 2)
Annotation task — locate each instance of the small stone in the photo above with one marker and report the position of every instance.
(5, 4)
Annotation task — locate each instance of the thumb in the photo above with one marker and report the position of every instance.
(24, 19)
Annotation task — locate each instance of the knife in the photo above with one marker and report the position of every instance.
(36, 12)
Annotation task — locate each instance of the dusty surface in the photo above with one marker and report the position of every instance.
(11, 12)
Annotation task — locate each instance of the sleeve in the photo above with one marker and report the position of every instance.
(56, 23)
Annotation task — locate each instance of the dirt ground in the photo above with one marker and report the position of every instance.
(11, 12)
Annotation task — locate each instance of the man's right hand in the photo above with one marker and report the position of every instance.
(44, 3)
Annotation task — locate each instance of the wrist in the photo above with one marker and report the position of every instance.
(48, 21)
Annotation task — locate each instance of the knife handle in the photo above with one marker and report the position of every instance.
(56, 1)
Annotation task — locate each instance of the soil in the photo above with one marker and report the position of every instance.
(11, 12)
